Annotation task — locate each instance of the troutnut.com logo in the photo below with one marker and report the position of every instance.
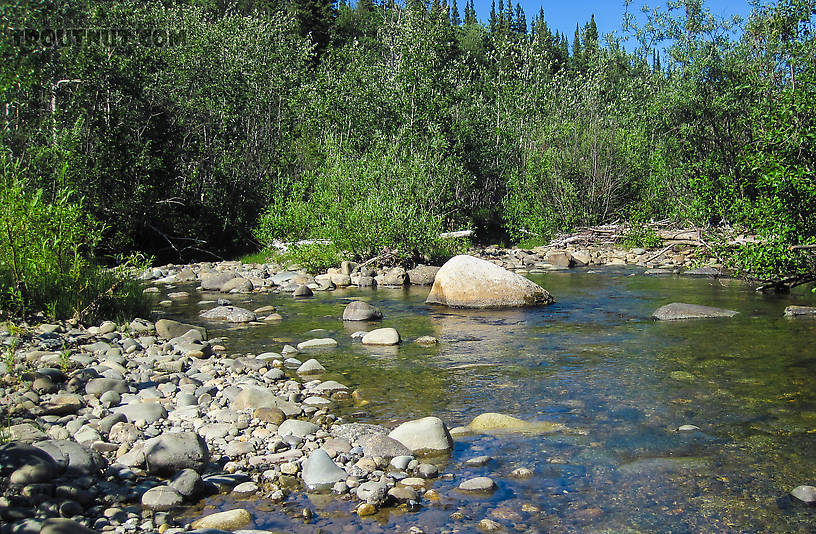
(33, 38)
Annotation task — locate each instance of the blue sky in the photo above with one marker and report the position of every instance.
(563, 15)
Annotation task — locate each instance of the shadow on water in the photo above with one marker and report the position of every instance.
(596, 362)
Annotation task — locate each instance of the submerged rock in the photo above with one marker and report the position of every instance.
(231, 314)
(229, 520)
(468, 282)
(321, 343)
(478, 484)
(680, 310)
(498, 422)
(800, 311)
(806, 494)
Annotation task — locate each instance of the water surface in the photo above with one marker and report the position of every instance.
(595, 362)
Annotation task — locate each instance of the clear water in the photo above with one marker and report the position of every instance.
(594, 361)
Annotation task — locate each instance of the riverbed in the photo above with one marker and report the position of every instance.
(594, 361)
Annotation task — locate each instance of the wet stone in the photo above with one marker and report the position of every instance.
(478, 485)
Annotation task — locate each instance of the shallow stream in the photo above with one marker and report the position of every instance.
(594, 361)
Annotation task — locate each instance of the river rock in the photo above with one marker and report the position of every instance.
(302, 291)
(478, 461)
(400, 463)
(65, 404)
(468, 282)
(422, 275)
(320, 472)
(150, 412)
(220, 521)
(353, 432)
(498, 422)
(237, 285)
(98, 386)
(402, 494)
(188, 483)
(561, 259)
(215, 281)
(329, 387)
(806, 494)
(73, 459)
(340, 279)
(478, 484)
(800, 311)
(26, 464)
(361, 311)
(382, 336)
(296, 427)
(170, 453)
(55, 525)
(703, 271)
(394, 277)
(169, 329)
(161, 498)
(428, 435)
(269, 414)
(380, 445)
(679, 310)
(254, 397)
(372, 491)
(310, 367)
(231, 314)
(323, 343)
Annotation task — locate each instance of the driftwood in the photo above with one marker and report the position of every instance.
(666, 231)
(453, 235)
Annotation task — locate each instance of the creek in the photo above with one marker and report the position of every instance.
(594, 361)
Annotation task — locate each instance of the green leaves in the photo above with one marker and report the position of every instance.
(46, 250)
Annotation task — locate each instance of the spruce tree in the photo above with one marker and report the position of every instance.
(493, 20)
(454, 15)
(470, 13)
(590, 39)
(577, 51)
(520, 26)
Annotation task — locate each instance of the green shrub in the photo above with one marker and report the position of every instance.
(46, 250)
(314, 257)
(641, 236)
(387, 201)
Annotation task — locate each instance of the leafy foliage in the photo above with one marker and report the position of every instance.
(44, 255)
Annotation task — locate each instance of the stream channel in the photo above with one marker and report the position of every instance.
(594, 361)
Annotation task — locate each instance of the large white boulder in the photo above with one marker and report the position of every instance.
(468, 282)
(428, 435)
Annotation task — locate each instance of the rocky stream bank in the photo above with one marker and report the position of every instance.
(118, 427)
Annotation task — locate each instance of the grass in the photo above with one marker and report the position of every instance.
(262, 256)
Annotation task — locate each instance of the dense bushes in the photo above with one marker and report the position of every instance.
(45, 250)
(389, 200)
(379, 125)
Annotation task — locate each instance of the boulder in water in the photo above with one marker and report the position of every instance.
(680, 310)
(468, 282)
(428, 435)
